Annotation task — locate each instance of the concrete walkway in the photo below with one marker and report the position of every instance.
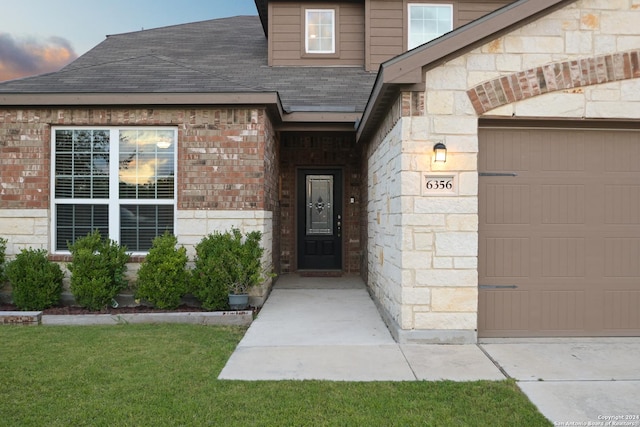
(330, 329)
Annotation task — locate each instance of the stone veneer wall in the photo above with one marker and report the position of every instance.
(227, 171)
(426, 282)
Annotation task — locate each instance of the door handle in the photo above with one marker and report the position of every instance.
(339, 225)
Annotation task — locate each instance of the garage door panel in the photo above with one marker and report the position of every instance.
(507, 204)
(563, 204)
(563, 257)
(622, 204)
(494, 318)
(507, 152)
(621, 310)
(622, 151)
(563, 310)
(563, 153)
(506, 257)
(622, 257)
(570, 266)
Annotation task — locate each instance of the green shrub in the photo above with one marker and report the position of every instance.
(163, 278)
(3, 251)
(97, 270)
(226, 263)
(36, 281)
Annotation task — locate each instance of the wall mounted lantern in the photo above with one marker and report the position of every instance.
(440, 152)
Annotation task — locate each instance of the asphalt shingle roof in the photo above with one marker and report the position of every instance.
(215, 56)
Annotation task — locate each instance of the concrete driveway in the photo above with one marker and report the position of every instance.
(576, 381)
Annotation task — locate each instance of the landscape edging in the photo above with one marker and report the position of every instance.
(235, 318)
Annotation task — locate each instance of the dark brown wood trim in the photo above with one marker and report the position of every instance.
(558, 123)
(77, 99)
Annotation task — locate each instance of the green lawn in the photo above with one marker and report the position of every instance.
(157, 375)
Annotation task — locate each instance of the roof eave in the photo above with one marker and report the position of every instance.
(319, 121)
(270, 100)
(132, 98)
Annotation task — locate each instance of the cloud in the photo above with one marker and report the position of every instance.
(28, 57)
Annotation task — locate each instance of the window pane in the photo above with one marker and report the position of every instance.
(63, 187)
(82, 187)
(146, 157)
(165, 188)
(320, 31)
(427, 22)
(140, 224)
(74, 221)
(314, 45)
(80, 156)
(100, 187)
(64, 141)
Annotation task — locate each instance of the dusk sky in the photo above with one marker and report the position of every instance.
(40, 36)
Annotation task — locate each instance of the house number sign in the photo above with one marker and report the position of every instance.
(436, 184)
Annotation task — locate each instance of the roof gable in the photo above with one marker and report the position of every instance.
(409, 68)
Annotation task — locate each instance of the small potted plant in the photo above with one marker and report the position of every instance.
(244, 266)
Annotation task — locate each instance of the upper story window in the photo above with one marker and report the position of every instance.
(320, 31)
(428, 21)
(118, 181)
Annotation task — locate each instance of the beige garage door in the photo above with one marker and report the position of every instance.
(559, 248)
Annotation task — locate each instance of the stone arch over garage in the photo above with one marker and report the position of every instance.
(562, 75)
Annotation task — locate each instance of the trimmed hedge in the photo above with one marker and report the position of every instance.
(97, 270)
(36, 281)
(163, 278)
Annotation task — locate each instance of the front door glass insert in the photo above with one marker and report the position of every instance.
(319, 205)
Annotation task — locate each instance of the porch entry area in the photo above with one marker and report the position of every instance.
(320, 188)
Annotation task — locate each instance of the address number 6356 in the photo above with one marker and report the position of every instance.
(439, 184)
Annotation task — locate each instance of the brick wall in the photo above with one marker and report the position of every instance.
(320, 150)
(563, 75)
(25, 159)
(227, 161)
(222, 154)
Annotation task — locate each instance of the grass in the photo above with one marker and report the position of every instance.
(157, 375)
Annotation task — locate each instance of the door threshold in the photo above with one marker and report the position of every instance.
(320, 273)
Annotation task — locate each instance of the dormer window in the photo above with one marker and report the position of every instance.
(428, 21)
(320, 31)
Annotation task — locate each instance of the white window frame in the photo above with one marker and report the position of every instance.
(307, 35)
(113, 201)
(413, 44)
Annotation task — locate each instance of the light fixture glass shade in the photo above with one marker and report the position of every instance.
(439, 152)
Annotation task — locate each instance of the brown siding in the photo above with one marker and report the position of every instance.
(471, 10)
(386, 34)
(387, 25)
(286, 38)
